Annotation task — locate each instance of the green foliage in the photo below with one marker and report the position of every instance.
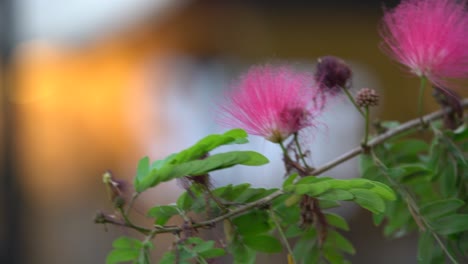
(408, 185)
(368, 194)
(162, 213)
(430, 179)
(428, 252)
(128, 249)
(263, 243)
(337, 221)
(192, 248)
(436, 209)
(192, 161)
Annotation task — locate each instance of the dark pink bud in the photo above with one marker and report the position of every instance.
(115, 188)
(332, 74)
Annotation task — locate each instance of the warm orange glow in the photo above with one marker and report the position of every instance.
(73, 111)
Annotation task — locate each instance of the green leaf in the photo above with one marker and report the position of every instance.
(461, 133)
(365, 163)
(204, 246)
(448, 177)
(336, 221)
(378, 218)
(157, 164)
(253, 223)
(326, 204)
(249, 194)
(383, 191)
(399, 219)
(162, 213)
(127, 243)
(293, 200)
(337, 195)
(263, 243)
(213, 253)
(144, 256)
(185, 252)
(368, 200)
(146, 178)
(440, 208)
(311, 179)
(168, 258)
(451, 224)
(408, 149)
(143, 170)
(415, 173)
(289, 213)
(333, 256)
(455, 150)
(425, 248)
(241, 253)
(306, 251)
(201, 167)
(122, 255)
(338, 241)
(231, 193)
(309, 184)
(312, 189)
(372, 173)
(293, 231)
(208, 143)
(436, 152)
(125, 249)
(289, 180)
(316, 186)
(184, 201)
(351, 184)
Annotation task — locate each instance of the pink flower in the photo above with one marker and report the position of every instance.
(273, 102)
(430, 37)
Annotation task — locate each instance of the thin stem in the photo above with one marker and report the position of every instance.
(215, 199)
(413, 207)
(285, 152)
(301, 154)
(282, 235)
(103, 219)
(131, 225)
(422, 88)
(366, 135)
(132, 201)
(385, 136)
(288, 161)
(351, 98)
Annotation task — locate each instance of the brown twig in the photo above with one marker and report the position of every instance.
(385, 136)
(266, 200)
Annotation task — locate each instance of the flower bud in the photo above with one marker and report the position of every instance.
(115, 189)
(367, 97)
(332, 74)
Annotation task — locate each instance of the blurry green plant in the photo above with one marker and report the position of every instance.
(414, 175)
(408, 184)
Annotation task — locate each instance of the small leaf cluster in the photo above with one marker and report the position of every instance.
(329, 192)
(191, 161)
(129, 249)
(430, 177)
(253, 220)
(408, 184)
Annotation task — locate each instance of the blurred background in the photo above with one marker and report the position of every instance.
(90, 85)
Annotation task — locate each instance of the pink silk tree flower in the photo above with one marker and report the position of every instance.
(430, 37)
(272, 101)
